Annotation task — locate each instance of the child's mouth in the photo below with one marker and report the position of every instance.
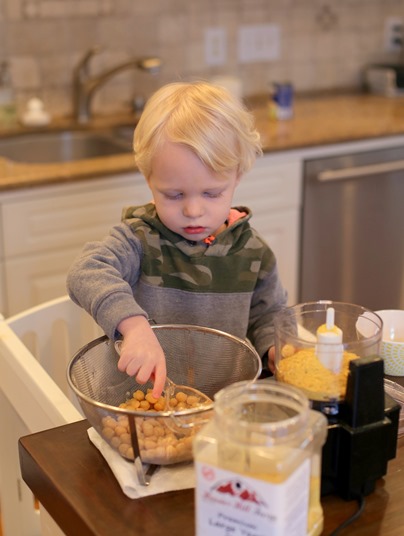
(194, 230)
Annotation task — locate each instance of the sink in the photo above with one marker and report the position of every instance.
(65, 146)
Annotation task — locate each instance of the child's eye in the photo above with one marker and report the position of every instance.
(212, 195)
(173, 197)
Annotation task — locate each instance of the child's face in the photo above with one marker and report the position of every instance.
(191, 199)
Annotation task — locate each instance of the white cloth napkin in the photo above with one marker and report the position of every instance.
(165, 478)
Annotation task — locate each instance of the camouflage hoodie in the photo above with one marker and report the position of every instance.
(142, 267)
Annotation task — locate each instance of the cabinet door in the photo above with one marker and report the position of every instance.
(280, 231)
(56, 217)
(272, 190)
(35, 279)
(43, 230)
(3, 309)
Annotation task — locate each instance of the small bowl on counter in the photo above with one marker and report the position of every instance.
(392, 345)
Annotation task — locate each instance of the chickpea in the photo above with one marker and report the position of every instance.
(149, 444)
(123, 421)
(153, 422)
(150, 398)
(119, 430)
(181, 397)
(125, 438)
(159, 431)
(108, 433)
(192, 400)
(123, 449)
(288, 350)
(139, 395)
(109, 421)
(148, 429)
(134, 403)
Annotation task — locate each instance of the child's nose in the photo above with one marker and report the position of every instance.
(192, 209)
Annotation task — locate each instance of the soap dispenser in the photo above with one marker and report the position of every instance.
(8, 112)
(35, 114)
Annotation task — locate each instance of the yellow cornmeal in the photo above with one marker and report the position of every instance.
(304, 370)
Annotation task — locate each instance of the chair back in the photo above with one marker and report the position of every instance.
(35, 348)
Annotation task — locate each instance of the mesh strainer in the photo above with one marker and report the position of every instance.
(202, 358)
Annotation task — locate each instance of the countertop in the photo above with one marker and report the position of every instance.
(73, 482)
(318, 121)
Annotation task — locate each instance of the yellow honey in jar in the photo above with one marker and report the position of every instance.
(258, 463)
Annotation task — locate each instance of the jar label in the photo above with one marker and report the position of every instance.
(229, 503)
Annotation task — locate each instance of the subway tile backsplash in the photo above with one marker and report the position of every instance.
(324, 44)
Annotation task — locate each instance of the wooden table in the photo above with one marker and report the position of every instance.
(71, 479)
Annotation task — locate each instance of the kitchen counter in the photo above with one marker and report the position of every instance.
(73, 482)
(318, 121)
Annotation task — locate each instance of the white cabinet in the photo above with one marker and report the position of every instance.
(2, 289)
(44, 228)
(2, 277)
(272, 189)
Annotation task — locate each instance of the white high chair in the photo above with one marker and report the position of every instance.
(35, 348)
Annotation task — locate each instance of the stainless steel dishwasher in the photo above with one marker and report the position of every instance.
(352, 243)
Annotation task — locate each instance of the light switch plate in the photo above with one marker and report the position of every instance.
(215, 46)
(393, 34)
(258, 42)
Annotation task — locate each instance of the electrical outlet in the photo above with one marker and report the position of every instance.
(258, 42)
(393, 34)
(215, 46)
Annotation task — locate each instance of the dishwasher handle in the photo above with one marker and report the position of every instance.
(360, 171)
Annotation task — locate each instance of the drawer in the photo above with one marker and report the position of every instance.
(69, 219)
(270, 187)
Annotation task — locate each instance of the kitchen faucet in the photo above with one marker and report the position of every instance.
(85, 86)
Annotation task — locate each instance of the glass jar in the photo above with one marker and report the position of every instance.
(258, 463)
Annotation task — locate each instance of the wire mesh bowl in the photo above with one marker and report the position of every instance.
(202, 358)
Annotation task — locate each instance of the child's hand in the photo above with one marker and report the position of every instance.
(271, 359)
(141, 354)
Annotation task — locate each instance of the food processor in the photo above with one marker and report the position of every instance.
(329, 350)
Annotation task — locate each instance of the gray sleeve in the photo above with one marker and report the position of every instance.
(269, 297)
(102, 277)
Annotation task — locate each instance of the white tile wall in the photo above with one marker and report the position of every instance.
(325, 44)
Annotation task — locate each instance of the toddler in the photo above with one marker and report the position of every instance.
(187, 257)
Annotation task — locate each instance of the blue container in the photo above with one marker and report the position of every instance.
(283, 99)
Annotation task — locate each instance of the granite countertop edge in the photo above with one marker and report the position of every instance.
(318, 121)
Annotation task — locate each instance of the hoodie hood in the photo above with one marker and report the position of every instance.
(230, 239)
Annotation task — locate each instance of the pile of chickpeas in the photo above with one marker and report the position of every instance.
(158, 443)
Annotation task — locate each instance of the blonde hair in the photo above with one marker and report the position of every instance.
(203, 117)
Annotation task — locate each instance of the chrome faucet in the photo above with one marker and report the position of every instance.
(85, 86)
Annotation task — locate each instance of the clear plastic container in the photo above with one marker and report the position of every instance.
(258, 463)
(298, 348)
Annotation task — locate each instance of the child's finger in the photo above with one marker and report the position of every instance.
(159, 381)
